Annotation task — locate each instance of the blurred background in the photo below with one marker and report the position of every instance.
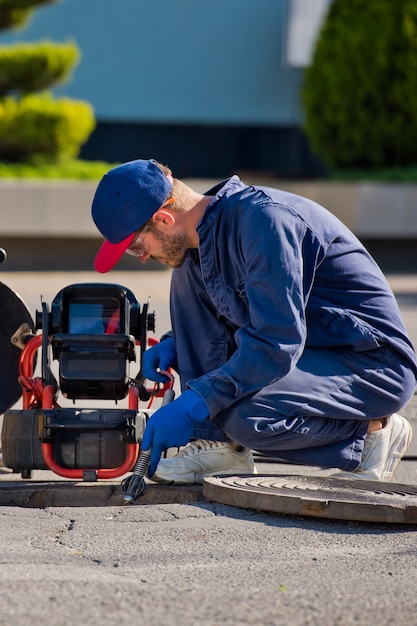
(207, 87)
(315, 96)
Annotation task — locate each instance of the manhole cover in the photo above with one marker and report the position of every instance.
(332, 498)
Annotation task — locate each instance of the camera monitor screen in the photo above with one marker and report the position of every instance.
(94, 316)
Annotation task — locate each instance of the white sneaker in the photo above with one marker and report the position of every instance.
(382, 451)
(202, 458)
(170, 452)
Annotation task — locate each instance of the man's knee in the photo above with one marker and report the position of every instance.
(238, 427)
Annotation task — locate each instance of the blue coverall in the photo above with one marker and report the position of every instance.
(287, 328)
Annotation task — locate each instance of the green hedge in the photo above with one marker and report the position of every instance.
(17, 13)
(39, 126)
(65, 169)
(360, 93)
(29, 67)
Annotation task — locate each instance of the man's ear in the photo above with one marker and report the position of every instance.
(164, 216)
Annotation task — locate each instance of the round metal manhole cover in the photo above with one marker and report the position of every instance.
(331, 498)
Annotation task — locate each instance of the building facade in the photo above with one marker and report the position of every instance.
(209, 88)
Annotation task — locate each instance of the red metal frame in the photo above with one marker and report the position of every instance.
(48, 448)
(35, 394)
(32, 388)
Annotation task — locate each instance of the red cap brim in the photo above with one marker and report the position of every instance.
(110, 253)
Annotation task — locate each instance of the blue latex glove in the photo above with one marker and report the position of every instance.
(171, 425)
(160, 357)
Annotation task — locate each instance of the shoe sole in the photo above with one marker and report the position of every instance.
(171, 481)
(201, 477)
(198, 479)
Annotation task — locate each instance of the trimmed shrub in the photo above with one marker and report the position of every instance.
(39, 126)
(17, 13)
(360, 93)
(29, 67)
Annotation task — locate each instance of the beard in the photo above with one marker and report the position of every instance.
(173, 248)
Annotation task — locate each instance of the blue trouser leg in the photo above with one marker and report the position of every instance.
(316, 415)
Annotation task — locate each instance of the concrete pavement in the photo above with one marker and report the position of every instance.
(77, 557)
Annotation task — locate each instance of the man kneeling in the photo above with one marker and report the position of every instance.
(286, 335)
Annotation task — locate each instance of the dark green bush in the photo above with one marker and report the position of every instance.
(64, 169)
(39, 126)
(360, 93)
(16, 13)
(29, 67)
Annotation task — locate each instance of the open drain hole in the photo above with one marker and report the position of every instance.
(42, 495)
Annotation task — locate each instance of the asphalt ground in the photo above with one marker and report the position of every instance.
(72, 553)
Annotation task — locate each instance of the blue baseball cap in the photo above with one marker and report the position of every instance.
(125, 199)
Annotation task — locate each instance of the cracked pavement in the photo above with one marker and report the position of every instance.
(199, 563)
